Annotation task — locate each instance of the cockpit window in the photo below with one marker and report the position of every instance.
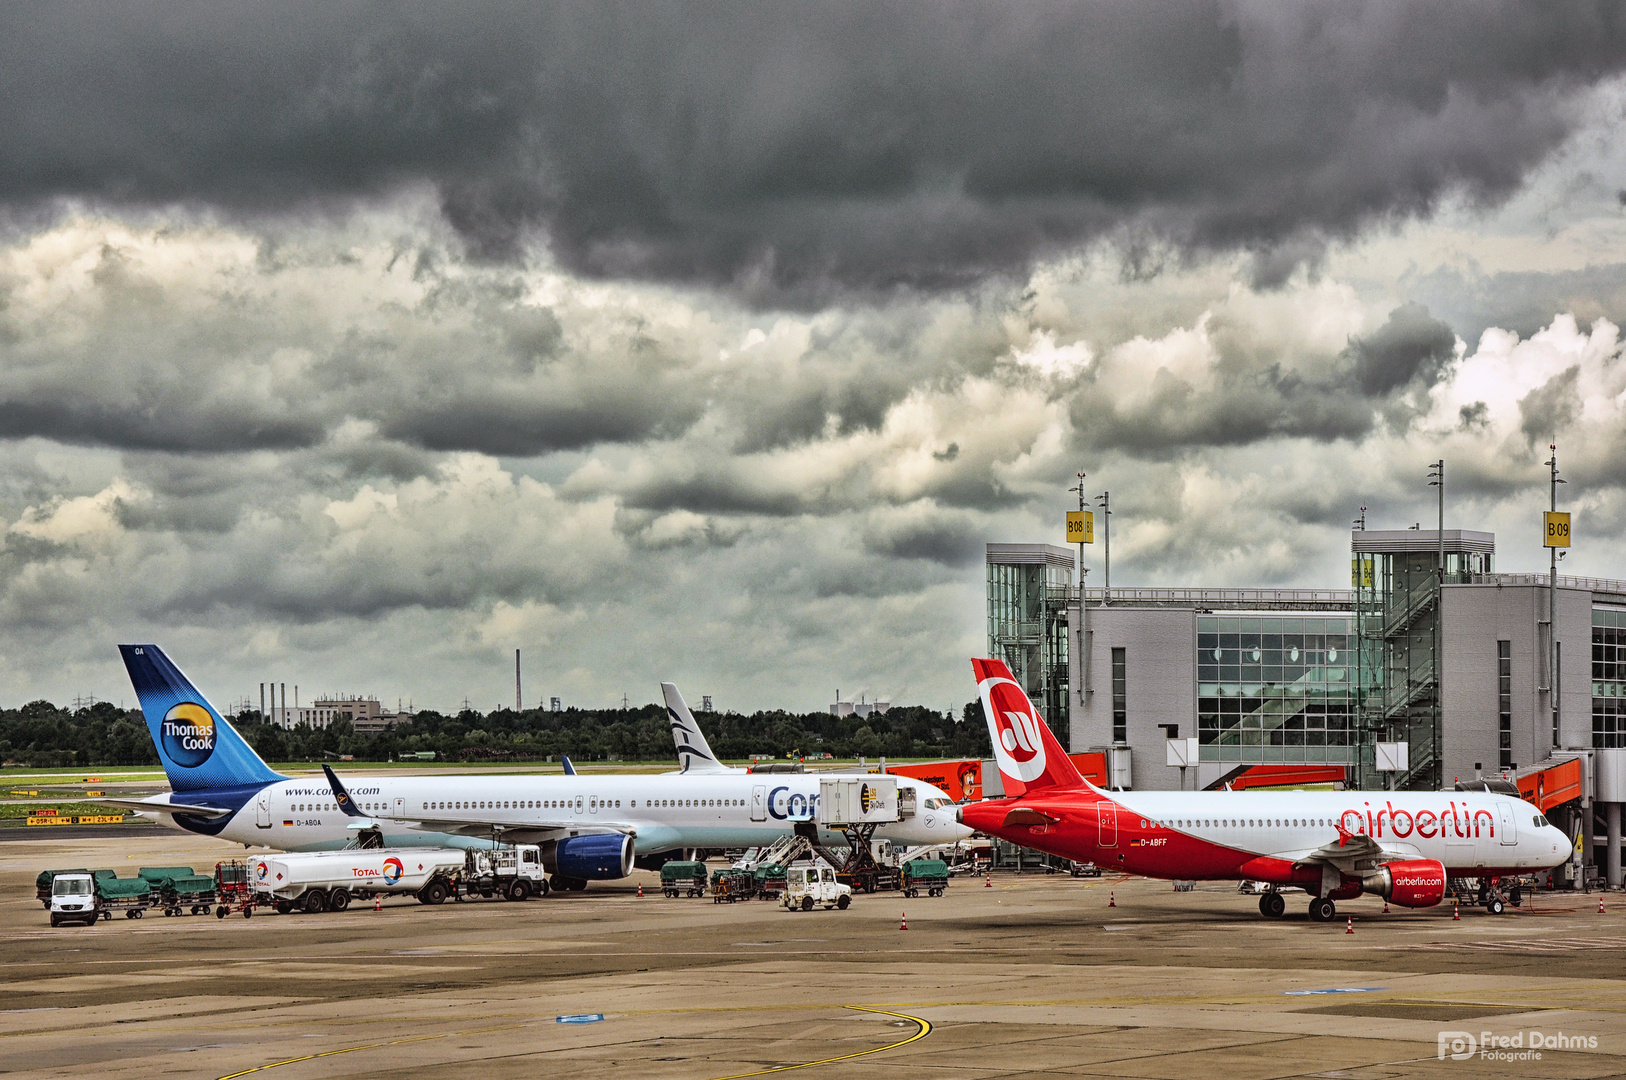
(1541, 822)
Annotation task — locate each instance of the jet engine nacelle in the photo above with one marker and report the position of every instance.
(1413, 883)
(595, 857)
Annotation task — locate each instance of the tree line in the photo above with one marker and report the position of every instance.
(43, 735)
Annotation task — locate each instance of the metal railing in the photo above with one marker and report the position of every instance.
(1565, 581)
(1264, 599)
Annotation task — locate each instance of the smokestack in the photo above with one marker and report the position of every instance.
(518, 699)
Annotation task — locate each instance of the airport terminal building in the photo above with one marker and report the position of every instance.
(1310, 682)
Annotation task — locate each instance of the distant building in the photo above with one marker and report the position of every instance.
(859, 707)
(366, 715)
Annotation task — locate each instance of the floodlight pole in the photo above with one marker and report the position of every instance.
(1105, 501)
(1552, 596)
(1083, 607)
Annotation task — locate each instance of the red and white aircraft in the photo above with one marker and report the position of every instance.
(1336, 845)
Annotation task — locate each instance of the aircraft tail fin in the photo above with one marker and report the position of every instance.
(694, 753)
(1029, 756)
(198, 748)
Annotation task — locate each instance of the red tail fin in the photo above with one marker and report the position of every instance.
(1028, 755)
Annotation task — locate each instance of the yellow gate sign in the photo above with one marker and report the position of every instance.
(1557, 529)
(1080, 527)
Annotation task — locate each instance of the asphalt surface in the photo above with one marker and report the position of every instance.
(1035, 975)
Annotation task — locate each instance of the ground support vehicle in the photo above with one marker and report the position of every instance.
(191, 895)
(73, 898)
(42, 884)
(1084, 869)
(729, 885)
(770, 881)
(514, 873)
(179, 890)
(232, 889)
(133, 896)
(813, 884)
(318, 881)
(683, 879)
(925, 875)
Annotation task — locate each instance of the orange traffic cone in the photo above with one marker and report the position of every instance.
(903, 920)
(1600, 905)
(1349, 927)
(640, 890)
(378, 903)
(1112, 899)
(1456, 912)
(987, 881)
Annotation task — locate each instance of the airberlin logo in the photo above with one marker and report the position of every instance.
(392, 871)
(188, 734)
(1019, 745)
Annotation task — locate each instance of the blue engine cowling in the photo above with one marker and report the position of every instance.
(598, 857)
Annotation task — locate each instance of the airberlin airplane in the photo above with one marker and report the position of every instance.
(1336, 845)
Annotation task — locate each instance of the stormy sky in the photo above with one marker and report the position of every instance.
(357, 346)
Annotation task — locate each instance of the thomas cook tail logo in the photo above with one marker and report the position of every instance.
(392, 871)
(188, 734)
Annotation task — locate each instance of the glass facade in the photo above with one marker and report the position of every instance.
(1504, 702)
(1027, 628)
(1397, 620)
(1608, 678)
(1276, 688)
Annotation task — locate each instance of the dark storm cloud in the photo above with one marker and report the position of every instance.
(1549, 408)
(1411, 345)
(790, 150)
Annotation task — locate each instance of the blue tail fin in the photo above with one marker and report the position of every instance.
(198, 748)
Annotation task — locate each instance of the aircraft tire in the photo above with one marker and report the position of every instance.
(1323, 909)
(578, 884)
(1271, 905)
(1495, 906)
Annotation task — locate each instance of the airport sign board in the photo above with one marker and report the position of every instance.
(1080, 526)
(1557, 529)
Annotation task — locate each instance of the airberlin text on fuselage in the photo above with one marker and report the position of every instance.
(1456, 821)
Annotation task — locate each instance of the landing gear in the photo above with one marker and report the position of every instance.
(1323, 910)
(1495, 906)
(1271, 905)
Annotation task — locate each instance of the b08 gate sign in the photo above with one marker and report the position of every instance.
(1080, 527)
(1557, 530)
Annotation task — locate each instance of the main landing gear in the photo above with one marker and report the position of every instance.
(1323, 910)
(1271, 904)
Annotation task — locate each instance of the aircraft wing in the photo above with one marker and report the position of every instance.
(513, 832)
(534, 831)
(147, 806)
(1347, 850)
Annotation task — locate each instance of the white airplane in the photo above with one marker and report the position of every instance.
(591, 827)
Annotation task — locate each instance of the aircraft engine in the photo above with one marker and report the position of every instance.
(1413, 883)
(595, 857)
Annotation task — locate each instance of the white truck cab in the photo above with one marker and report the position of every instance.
(811, 883)
(73, 899)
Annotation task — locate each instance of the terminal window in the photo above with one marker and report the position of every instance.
(1608, 678)
(1120, 688)
(1275, 688)
(1504, 701)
